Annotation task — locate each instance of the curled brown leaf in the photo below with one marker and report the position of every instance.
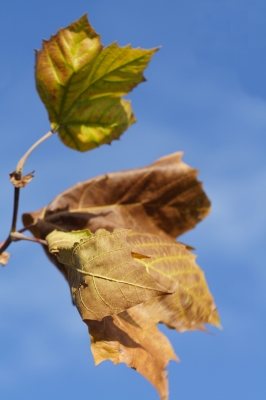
(103, 276)
(131, 339)
(157, 203)
(171, 264)
(23, 181)
(164, 198)
(4, 258)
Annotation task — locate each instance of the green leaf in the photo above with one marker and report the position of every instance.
(81, 85)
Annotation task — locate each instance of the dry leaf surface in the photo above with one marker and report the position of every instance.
(158, 203)
(163, 198)
(130, 338)
(4, 257)
(103, 276)
(173, 266)
(22, 182)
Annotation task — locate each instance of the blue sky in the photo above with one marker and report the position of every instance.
(206, 96)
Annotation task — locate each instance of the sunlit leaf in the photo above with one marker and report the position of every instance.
(103, 276)
(81, 84)
(171, 264)
(164, 198)
(132, 339)
(158, 203)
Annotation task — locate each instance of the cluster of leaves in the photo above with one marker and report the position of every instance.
(123, 281)
(113, 236)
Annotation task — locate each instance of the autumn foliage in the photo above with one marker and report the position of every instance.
(113, 237)
(104, 261)
(81, 84)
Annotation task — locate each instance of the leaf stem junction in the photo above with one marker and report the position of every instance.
(13, 235)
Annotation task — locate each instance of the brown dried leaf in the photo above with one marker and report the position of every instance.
(171, 264)
(22, 182)
(102, 274)
(130, 338)
(164, 198)
(4, 258)
(158, 203)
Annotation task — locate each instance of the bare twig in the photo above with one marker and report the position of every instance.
(18, 174)
(5, 244)
(19, 236)
(15, 208)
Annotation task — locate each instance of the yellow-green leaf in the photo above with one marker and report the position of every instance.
(103, 276)
(81, 85)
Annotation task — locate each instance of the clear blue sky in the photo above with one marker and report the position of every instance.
(206, 96)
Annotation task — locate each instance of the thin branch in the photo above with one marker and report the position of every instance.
(9, 240)
(5, 244)
(26, 228)
(18, 174)
(15, 209)
(23, 160)
(19, 236)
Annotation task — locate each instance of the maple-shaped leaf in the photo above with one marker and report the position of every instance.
(163, 198)
(103, 276)
(158, 202)
(81, 84)
(132, 337)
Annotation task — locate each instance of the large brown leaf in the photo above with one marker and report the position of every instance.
(103, 276)
(164, 198)
(158, 203)
(132, 337)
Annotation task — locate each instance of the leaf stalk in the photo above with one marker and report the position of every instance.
(23, 160)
